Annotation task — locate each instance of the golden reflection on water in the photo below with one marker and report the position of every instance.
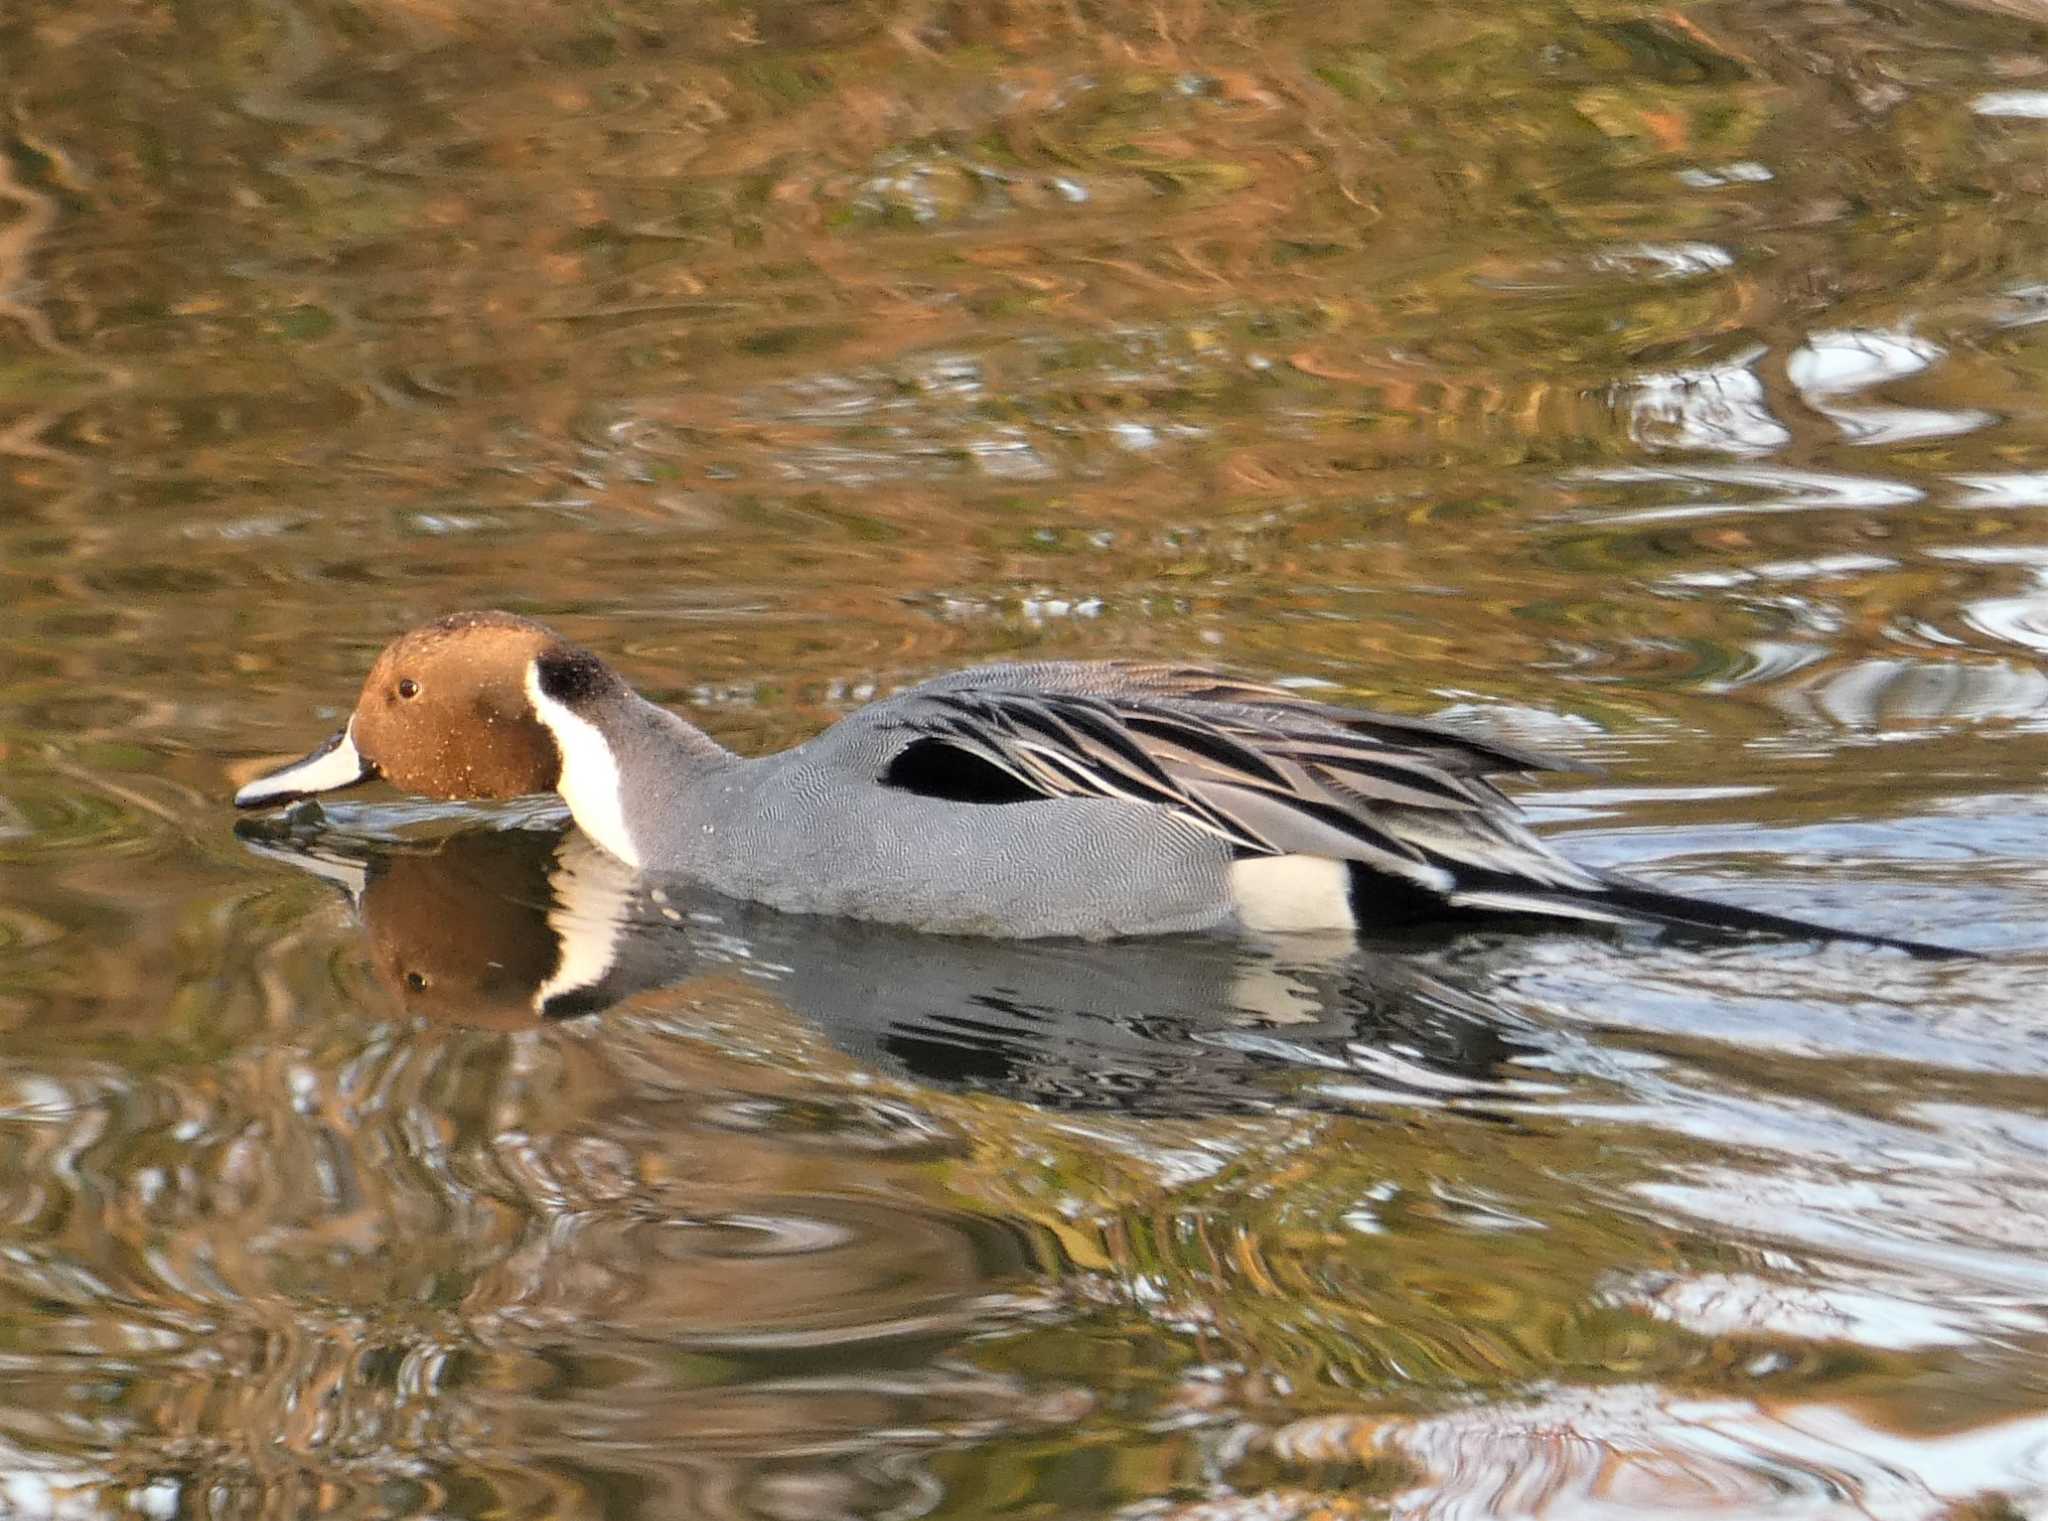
(1663, 384)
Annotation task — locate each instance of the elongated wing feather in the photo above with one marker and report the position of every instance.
(1255, 706)
(1262, 769)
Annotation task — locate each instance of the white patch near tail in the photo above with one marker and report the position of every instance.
(1292, 893)
(589, 782)
(1275, 996)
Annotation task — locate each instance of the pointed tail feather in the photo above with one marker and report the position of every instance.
(1621, 900)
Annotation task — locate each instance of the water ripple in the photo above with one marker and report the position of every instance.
(1776, 488)
(1631, 1449)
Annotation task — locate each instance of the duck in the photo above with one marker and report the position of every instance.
(1024, 800)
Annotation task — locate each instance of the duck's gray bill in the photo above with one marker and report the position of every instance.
(334, 765)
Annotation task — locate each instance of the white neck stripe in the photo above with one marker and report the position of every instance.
(589, 783)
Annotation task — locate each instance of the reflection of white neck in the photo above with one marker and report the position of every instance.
(593, 897)
(589, 782)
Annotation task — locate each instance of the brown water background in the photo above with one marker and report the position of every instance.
(1666, 385)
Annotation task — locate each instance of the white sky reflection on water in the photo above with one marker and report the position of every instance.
(1634, 1450)
(2027, 103)
(1721, 409)
(1831, 366)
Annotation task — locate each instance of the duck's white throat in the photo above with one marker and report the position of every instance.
(590, 782)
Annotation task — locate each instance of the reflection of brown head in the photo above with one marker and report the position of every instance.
(461, 935)
(444, 711)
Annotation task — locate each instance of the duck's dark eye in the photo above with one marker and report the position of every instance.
(417, 981)
(408, 688)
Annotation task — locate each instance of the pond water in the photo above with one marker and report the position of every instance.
(1664, 386)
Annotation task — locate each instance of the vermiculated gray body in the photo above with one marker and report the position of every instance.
(814, 830)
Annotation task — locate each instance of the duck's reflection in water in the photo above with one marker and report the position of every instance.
(508, 927)
(747, 1292)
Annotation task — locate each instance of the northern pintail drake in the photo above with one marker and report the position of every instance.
(1078, 798)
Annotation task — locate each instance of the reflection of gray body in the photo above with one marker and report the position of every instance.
(1215, 1024)
(1190, 1024)
(1186, 1024)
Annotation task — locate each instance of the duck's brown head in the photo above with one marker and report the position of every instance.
(444, 713)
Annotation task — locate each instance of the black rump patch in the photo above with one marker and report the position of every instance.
(572, 676)
(1381, 900)
(932, 768)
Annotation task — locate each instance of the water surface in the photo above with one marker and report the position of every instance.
(1660, 386)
